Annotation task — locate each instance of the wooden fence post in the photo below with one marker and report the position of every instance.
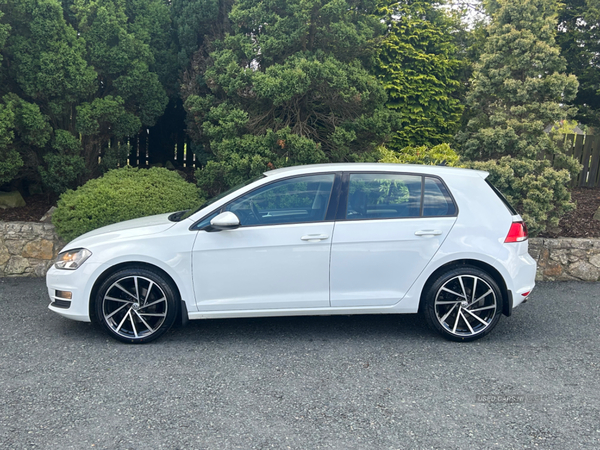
(143, 148)
(180, 147)
(585, 159)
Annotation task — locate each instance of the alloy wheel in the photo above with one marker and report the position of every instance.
(465, 305)
(134, 307)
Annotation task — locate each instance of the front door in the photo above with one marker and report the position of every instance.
(278, 258)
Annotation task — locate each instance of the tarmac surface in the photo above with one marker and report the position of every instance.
(349, 382)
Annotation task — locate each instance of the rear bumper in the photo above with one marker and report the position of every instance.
(522, 271)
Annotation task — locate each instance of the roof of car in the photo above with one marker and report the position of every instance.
(376, 167)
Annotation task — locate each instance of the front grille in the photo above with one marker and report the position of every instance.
(61, 303)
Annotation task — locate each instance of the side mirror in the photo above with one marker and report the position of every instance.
(225, 221)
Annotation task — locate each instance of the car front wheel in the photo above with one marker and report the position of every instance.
(463, 304)
(137, 305)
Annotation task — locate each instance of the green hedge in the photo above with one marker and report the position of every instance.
(122, 194)
(439, 154)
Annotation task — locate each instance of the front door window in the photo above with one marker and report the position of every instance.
(294, 200)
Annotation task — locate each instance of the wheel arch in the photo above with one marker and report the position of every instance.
(491, 270)
(124, 265)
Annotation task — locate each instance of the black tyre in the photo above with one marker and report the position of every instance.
(137, 305)
(463, 304)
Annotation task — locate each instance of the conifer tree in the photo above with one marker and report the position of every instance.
(419, 68)
(519, 88)
(73, 75)
(288, 86)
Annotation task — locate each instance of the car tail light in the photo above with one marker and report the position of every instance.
(517, 232)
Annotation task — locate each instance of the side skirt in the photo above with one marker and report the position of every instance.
(395, 309)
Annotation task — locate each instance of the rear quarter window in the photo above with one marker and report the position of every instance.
(436, 200)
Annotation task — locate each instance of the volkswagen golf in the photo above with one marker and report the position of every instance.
(326, 239)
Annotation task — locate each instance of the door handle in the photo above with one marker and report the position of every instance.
(428, 232)
(314, 237)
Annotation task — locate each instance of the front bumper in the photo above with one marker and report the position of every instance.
(75, 282)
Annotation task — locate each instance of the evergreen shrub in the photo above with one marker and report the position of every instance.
(440, 154)
(122, 194)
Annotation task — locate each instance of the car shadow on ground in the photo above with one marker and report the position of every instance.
(331, 328)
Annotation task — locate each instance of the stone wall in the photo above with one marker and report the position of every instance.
(27, 249)
(566, 259)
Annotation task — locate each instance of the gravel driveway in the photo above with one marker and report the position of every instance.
(362, 382)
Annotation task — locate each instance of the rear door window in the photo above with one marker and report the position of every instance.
(383, 196)
(394, 196)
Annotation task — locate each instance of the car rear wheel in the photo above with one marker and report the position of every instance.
(463, 304)
(137, 305)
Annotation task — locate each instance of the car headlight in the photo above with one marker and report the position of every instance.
(72, 259)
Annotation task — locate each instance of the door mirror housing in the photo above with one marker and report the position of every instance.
(224, 221)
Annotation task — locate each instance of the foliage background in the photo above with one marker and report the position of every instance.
(278, 83)
(74, 75)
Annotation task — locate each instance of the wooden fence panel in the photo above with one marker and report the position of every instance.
(586, 150)
(594, 163)
(145, 151)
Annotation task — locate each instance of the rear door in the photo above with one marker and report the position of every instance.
(389, 227)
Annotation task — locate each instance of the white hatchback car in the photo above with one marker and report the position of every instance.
(310, 240)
